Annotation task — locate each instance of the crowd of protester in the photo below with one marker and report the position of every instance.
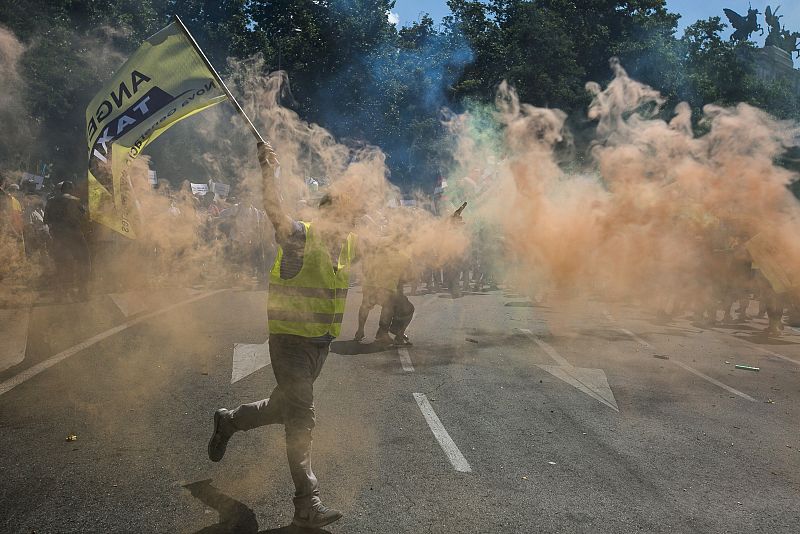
(200, 239)
(50, 245)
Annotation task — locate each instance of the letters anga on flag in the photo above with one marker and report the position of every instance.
(164, 81)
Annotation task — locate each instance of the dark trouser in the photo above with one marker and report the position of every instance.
(386, 302)
(296, 362)
(402, 313)
(775, 307)
(71, 256)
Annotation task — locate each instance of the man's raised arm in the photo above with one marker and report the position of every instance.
(272, 198)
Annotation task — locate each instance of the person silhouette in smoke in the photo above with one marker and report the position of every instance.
(385, 269)
(65, 217)
(308, 289)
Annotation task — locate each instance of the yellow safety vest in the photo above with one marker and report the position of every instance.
(312, 303)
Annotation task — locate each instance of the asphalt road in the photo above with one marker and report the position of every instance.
(505, 416)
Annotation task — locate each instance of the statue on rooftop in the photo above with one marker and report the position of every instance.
(744, 26)
(775, 35)
(779, 36)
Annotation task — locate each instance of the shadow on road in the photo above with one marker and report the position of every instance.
(352, 347)
(761, 338)
(293, 530)
(234, 516)
(739, 327)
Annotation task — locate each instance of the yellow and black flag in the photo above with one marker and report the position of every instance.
(167, 79)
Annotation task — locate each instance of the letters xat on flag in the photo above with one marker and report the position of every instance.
(164, 81)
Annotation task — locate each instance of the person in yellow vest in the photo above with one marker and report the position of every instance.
(307, 293)
(13, 209)
(11, 236)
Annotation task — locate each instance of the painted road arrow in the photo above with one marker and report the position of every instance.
(248, 358)
(593, 382)
(129, 303)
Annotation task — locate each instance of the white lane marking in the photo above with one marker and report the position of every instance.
(627, 332)
(781, 356)
(14, 331)
(691, 369)
(713, 381)
(553, 353)
(34, 370)
(593, 382)
(405, 360)
(447, 444)
(756, 347)
(636, 338)
(248, 358)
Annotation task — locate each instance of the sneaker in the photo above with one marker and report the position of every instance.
(359, 336)
(317, 516)
(401, 340)
(222, 433)
(383, 338)
(773, 330)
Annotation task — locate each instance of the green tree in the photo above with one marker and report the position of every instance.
(366, 80)
(549, 49)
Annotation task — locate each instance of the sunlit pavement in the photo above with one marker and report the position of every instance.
(504, 416)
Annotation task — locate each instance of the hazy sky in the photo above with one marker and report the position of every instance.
(691, 10)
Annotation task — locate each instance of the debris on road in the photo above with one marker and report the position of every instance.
(71, 437)
(747, 368)
(472, 340)
(661, 357)
(769, 401)
(551, 463)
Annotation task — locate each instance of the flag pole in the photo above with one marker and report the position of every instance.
(217, 77)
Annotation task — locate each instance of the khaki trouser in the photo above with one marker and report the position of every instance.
(296, 362)
(376, 296)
